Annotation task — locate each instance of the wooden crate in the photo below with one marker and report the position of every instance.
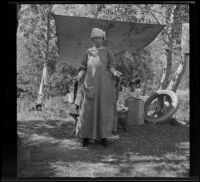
(136, 112)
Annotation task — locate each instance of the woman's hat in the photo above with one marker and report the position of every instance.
(97, 32)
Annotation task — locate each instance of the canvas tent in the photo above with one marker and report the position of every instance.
(74, 36)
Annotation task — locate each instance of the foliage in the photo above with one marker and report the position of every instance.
(131, 67)
(55, 107)
(61, 80)
(33, 29)
(28, 78)
(128, 65)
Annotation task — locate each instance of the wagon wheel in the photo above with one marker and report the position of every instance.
(160, 106)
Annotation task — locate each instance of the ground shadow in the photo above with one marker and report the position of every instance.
(142, 151)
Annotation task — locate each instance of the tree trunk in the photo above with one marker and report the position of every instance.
(176, 79)
(98, 9)
(47, 40)
(167, 70)
(168, 52)
(18, 13)
(163, 77)
(18, 10)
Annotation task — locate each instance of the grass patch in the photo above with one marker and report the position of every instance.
(183, 112)
(47, 150)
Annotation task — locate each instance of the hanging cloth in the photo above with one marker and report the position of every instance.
(43, 82)
(45, 74)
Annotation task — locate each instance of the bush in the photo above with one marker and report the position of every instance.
(57, 106)
(62, 80)
(24, 104)
(131, 67)
(53, 108)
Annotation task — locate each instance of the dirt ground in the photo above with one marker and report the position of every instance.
(46, 150)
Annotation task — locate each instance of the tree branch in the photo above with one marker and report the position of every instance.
(168, 35)
(159, 13)
(149, 12)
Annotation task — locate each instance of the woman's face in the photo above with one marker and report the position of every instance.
(98, 41)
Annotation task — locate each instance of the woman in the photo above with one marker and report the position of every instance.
(97, 108)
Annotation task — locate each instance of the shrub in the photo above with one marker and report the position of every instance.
(61, 81)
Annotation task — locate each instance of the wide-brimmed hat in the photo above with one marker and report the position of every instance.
(97, 32)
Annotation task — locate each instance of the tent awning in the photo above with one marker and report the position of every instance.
(74, 36)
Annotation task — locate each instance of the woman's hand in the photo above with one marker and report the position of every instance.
(80, 75)
(117, 73)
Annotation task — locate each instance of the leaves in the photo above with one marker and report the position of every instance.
(33, 29)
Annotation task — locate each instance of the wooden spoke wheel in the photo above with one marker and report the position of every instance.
(160, 106)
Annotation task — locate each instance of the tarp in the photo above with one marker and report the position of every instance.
(74, 36)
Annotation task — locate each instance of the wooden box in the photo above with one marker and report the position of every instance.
(136, 112)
